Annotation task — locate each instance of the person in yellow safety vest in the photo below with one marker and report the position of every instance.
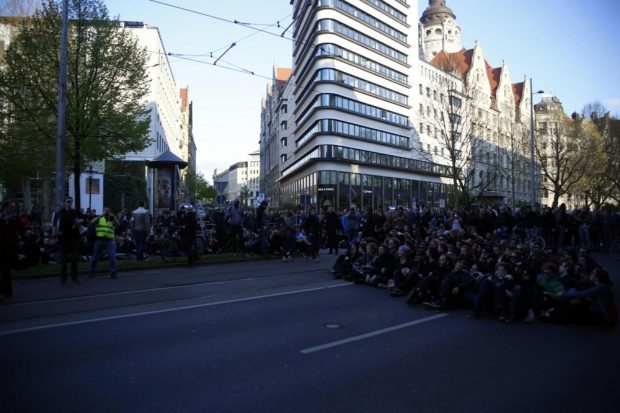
(105, 239)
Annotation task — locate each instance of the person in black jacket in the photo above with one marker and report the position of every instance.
(189, 226)
(260, 227)
(312, 228)
(11, 230)
(69, 221)
(333, 228)
(453, 286)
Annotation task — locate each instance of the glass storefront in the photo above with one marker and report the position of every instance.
(343, 189)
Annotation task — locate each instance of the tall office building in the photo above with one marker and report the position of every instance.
(354, 142)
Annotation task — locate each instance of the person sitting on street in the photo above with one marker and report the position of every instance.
(405, 275)
(365, 266)
(427, 288)
(453, 287)
(343, 266)
(384, 268)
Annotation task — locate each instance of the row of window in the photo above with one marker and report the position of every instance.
(335, 26)
(340, 102)
(333, 126)
(343, 189)
(334, 152)
(365, 17)
(397, 14)
(162, 145)
(334, 50)
(372, 88)
(428, 93)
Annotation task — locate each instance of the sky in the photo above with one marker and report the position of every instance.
(568, 47)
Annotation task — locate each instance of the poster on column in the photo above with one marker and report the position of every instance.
(163, 188)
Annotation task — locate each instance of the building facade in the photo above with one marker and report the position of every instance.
(388, 110)
(241, 180)
(353, 63)
(276, 138)
(164, 100)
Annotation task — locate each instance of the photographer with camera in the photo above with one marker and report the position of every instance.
(104, 239)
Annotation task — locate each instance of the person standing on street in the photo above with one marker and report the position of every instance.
(69, 221)
(260, 227)
(141, 225)
(312, 228)
(333, 228)
(11, 230)
(189, 226)
(104, 240)
(235, 218)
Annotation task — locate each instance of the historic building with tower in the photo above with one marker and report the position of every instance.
(385, 110)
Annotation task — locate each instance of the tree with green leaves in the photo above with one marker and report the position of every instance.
(569, 151)
(198, 187)
(107, 85)
(599, 187)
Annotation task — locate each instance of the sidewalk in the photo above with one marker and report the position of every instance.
(52, 270)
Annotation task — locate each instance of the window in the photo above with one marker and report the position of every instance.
(454, 101)
(283, 158)
(284, 109)
(428, 92)
(283, 125)
(421, 89)
(283, 142)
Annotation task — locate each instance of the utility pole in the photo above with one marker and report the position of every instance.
(62, 103)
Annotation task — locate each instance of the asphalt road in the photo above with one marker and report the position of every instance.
(284, 337)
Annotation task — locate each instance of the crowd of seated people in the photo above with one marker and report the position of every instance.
(450, 260)
(484, 259)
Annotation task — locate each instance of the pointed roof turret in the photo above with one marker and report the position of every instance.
(436, 12)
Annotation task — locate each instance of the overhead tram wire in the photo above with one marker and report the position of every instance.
(236, 22)
(237, 69)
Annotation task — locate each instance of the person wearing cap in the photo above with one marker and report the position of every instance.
(69, 221)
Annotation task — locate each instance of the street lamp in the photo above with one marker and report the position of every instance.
(532, 140)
